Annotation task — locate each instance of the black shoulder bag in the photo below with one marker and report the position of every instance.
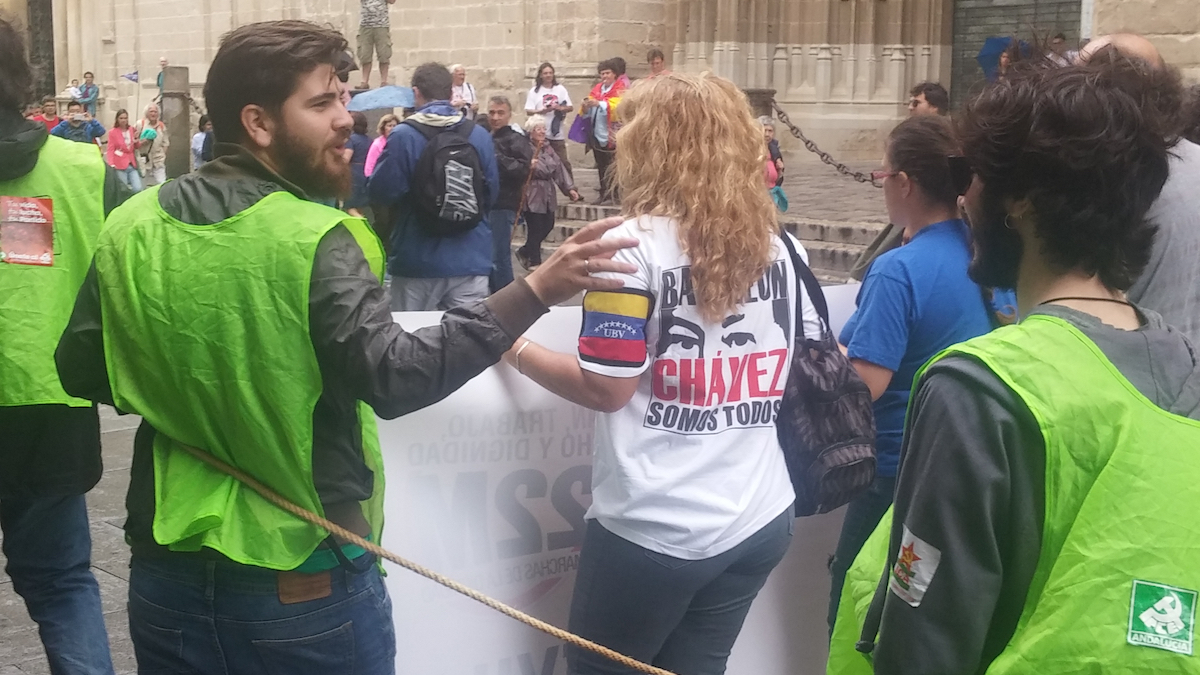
(826, 423)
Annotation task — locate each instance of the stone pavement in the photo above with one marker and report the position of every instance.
(814, 190)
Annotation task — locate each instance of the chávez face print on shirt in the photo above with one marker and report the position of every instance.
(728, 376)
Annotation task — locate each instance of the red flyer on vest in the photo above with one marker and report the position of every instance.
(27, 231)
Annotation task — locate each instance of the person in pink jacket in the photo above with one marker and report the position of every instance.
(121, 154)
(386, 124)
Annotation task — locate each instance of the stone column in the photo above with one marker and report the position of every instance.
(176, 114)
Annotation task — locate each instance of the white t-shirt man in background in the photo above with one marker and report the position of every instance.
(549, 98)
(462, 95)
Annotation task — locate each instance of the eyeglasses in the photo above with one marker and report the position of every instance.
(880, 174)
(961, 173)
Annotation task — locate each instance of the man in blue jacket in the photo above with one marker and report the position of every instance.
(431, 272)
(78, 126)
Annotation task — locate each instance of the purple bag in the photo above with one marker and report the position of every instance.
(581, 129)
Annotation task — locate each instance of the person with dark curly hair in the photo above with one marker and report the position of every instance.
(1170, 282)
(1044, 513)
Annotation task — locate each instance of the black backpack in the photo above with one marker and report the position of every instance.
(826, 422)
(447, 188)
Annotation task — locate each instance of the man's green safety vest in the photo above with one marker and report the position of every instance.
(1115, 588)
(49, 221)
(206, 334)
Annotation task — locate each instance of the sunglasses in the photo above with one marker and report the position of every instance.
(879, 174)
(961, 173)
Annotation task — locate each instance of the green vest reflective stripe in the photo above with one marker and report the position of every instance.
(1115, 588)
(206, 332)
(36, 300)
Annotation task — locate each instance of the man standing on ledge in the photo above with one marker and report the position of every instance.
(238, 316)
(374, 37)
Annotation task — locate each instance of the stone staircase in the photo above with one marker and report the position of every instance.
(833, 246)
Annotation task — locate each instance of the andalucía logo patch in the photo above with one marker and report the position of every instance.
(1163, 617)
(915, 566)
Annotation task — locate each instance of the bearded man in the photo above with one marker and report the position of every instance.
(238, 316)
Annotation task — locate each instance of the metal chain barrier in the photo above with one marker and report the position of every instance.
(346, 535)
(825, 156)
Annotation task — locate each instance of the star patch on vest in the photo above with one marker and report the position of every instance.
(914, 568)
(1162, 617)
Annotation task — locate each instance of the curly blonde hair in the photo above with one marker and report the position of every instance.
(692, 151)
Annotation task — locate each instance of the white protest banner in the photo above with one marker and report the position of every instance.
(489, 487)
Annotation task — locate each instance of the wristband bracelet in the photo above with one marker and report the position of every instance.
(517, 356)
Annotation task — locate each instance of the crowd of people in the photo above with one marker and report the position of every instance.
(1024, 331)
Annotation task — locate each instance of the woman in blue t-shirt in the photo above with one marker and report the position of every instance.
(915, 301)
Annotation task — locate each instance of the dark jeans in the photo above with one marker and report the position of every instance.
(862, 517)
(188, 615)
(49, 552)
(501, 221)
(538, 226)
(679, 615)
(604, 162)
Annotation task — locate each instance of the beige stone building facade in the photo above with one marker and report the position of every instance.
(841, 68)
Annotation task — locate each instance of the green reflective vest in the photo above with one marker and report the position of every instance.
(56, 208)
(206, 333)
(1115, 588)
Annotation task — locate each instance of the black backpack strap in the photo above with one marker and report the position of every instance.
(464, 128)
(425, 130)
(811, 285)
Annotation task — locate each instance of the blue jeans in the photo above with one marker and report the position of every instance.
(862, 517)
(131, 177)
(49, 552)
(679, 615)
(194, 616)
(501, 221)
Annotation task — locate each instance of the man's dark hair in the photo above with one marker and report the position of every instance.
(935, 94)
(655, 53)
(48, 99)
(434, 80)
(16, 75)
(74, 104)
(537, 77)
(607, 64)
(89, 74)
(1060, 36)
(919, 147)
(1088, 156)
(260, 64)
(618, 65)
(360, 122)
(1158, 87)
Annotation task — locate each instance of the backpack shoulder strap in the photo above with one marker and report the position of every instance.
(425, 130)
(811, 285)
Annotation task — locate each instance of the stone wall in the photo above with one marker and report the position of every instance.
(1173, 26)
(500, 42)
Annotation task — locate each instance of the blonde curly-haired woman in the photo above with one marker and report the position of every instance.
(686, 363)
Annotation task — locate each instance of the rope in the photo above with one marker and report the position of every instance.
(339, 531)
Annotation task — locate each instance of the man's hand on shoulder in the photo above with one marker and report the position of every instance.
(570, 269)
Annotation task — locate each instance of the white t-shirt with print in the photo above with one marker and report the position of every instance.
(691, 467)
(540, 98)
